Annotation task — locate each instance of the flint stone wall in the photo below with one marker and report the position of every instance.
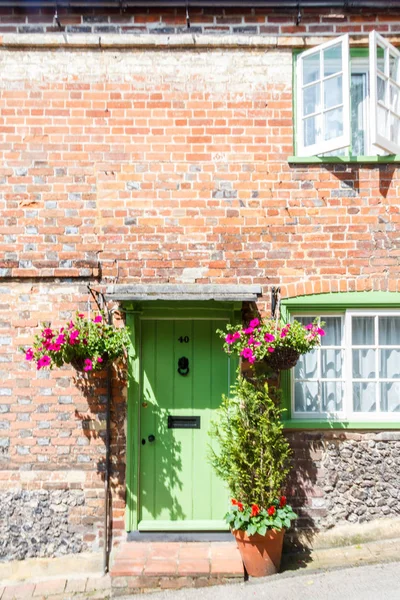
(344, 477)
(39, 523)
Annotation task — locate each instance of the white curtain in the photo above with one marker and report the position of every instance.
(364, 363)
(319, 395)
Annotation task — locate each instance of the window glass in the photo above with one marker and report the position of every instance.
(355, 372)
(332, 60)
(318, 375)
(390, 396)
(358, 95)
(389, 331)
(311, 69)
(363, 331)
(364, 397)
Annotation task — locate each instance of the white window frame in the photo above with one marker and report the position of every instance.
(347, 413)
(376, 144)
(338, 142)
(339, 415)
(375, 40)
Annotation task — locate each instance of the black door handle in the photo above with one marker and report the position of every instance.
(151, 438)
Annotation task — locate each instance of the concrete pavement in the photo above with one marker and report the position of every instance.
(321, 574)
(370, 582)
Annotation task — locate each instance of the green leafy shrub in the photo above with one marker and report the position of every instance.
(252, 457)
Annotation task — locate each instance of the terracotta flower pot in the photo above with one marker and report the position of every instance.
(261, 554)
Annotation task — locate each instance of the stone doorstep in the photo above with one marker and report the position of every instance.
(128, 586)
(141, 567)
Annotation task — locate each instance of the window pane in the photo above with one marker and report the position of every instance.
(333, 123)
(394, 98)
(333, 331)
(331, 364)
(310, 131)
(364, 397)
(306, 367)
(306, 396)
(364, 364)
(332, 396)
(381, 85)
(383, 121)
(311, 99)
(358, 102)
(311, 68)
(333, 60)
(393, 67)
(333, 92)
(390, 397)
(389, 364)
(380, 58)
(389, 331)
(363, 331)
(394, 128)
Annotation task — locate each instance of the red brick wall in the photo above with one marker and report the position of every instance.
(158, 165)
(253, 21)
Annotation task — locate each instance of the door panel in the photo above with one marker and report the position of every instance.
(178, 488)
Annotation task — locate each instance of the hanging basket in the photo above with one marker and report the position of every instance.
(79, 363)
(282, 359)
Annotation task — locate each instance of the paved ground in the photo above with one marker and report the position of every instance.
(377, 582)
(314, 576)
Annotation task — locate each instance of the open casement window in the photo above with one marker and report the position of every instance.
(323, 98)
(384, 61)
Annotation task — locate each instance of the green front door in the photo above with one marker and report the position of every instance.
(178, 489)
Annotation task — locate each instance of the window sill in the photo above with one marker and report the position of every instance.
(326, 424)
(343, 160)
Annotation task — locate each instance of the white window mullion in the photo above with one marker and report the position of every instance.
(349, 409)
(378, 385)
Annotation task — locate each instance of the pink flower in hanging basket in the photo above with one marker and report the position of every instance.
(43, 362)
(88, 365)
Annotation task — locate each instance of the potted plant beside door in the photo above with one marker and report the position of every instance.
(252, 456)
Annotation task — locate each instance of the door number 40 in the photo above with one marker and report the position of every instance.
(183, 339)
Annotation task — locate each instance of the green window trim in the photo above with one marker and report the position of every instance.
(343, 160)
(313, 160)
(332, 302)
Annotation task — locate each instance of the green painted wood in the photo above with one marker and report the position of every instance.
(132, 455)
(177, 484)
(312, 160)
(183, 525)
(332, 302)
(319, 424)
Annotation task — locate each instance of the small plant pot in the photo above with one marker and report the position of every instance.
(261, 554)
